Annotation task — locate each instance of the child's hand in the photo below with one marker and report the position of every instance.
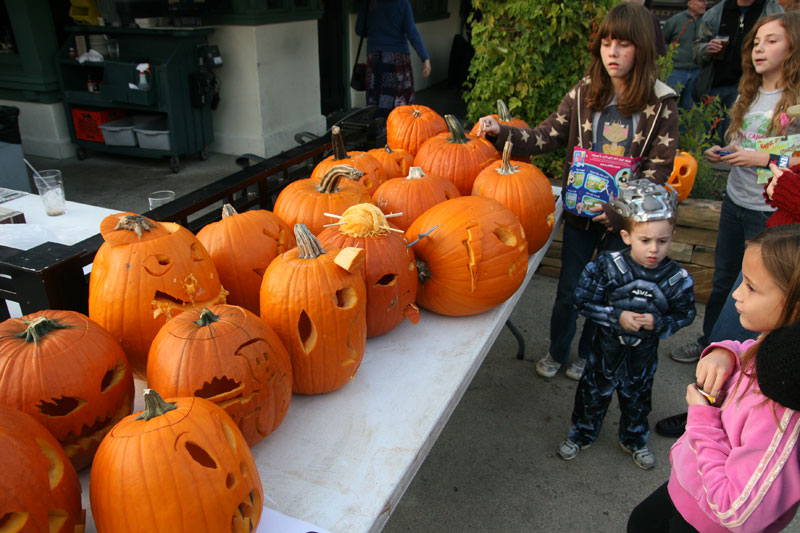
(488, 125)
(740, 157)
(711, 154)
(776, 174)
(694, 396)
(628, 321)
(646, 320)
(714, 369)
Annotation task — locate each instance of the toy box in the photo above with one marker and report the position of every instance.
(595, 178)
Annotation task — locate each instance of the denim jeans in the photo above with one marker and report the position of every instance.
(728, 327)
(736, 226)
(578, 247)
(685, 78)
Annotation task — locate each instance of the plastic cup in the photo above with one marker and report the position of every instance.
(159, 198)
(723, 39)
(51, 190)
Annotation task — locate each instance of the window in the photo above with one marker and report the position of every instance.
(255, 12)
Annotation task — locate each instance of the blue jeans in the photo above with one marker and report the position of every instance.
(577, 249)
(736, 226)
(685, 78)
(728, 327)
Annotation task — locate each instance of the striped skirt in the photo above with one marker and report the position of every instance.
(390, 81)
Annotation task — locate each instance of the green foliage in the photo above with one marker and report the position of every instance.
(699, 131)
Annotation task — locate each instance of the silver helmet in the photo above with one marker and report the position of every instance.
(643, 201)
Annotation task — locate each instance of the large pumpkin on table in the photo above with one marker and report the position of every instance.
(39, 488)
(474, 259)
(522, 188)
(180, 466)
(408, 126)
(318, 308)
(389, 268)
(143, 274)
(242, 245)
(412, 195)
(456, 156)
(372, 172)
(227, 355)
(69, 374)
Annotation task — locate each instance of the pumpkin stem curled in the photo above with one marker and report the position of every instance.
(206, 318)
(337, 143)
(154, 405)
(228, 211)
(329, 183)
(415, 173)
(39, 327)
(503, 114)
(135, 223)
(507, 168)
(307, 244)
(457, 135)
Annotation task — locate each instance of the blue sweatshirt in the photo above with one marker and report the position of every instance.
(390, 27)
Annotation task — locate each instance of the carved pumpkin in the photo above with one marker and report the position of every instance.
(394, 162)
(389, 268)
(181, 466)
(306, 201)
(523, 189)
(39, 488)
(413, 195)
(456, 156)
(372, 172)
(504, 117)
(69, 374)
(684, 171)
(227, 355)
(318, 309)
(475, 258)
(408, 126)
(254, 238)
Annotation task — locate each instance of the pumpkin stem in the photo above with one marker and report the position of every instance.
(307, 244)
(228, 211)
(457, 135)
(423, 272)
(135, 223)
(337, 143)
(507, 168)
(503, 114)
(154, 405)
(206, 318)
(364, 220)
(388, 150)
(39, 327)
(329, 183)
(421, 236)
(416, 113)
(415, 173)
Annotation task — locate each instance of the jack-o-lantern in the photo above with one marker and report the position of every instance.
(389, 268)
(180, 466)
(227, 355)
(413, 195)
(242, 245)
(69, 374)
(143, 274)
(318, 308)
(684, 171)
(395, 162)
(372, 172)
(39, 488)
(475, 258)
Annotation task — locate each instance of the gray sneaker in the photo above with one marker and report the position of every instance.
(575, 370)
(547, 367)
(688, 353)
(568, 450)
(643, 457)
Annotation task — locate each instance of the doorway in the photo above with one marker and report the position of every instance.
(333, 39)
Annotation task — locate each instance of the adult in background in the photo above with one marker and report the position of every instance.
(389, 26)
(682, 29)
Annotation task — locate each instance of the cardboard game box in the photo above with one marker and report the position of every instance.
(595, 178)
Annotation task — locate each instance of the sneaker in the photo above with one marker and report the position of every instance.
(688, 353)
(575, 370)
(643, 457)
(547, 367)
(672, 426)
(568, 450)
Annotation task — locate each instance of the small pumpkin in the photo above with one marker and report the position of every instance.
(389, 268)
(39, 488)
(242, 245)
(186, 466)
(525, 190)
(227, 355)
(408, 126)
(456, 155)
(412, 195)
(306, 201)
(395, 162)
(318, 309)
(684, 171)
(372, 172)
(68, 373)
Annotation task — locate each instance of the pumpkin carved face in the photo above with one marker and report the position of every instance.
(69, 374)
(187, 467)
(225, 354)
(684, 171)
(39, 488)
(143, 274)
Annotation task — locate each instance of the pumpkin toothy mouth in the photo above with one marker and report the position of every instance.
(90, 436)
(246, 514)
(164, 303)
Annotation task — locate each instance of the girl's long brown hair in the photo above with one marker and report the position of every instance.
(750, 81)
(625, 22)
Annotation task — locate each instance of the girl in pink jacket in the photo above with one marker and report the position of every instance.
(737, 466)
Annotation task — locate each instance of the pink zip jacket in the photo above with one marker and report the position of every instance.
(734, 469)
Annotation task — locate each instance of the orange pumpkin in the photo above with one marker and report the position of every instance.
(395, 162)
(372, 172)
(411, 196)
(68, 373)
(504, 118)
(227, 355)
(684, 171)
(186, 466)
(474, 259)
(389, 268)
(242, 245)
(144, 273)
(318, 309)
(408, 126)
(306, 201)
(39, 488)
(523, 189)
(456, 156)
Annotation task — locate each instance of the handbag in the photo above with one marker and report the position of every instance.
(358, 79)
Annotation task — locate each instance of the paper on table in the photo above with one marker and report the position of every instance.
(274, 522)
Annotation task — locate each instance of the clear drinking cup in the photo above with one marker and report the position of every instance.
(159, 198)
(51, 190)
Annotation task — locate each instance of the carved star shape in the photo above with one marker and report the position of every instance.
(561, 119)
(667, 112)
(553, 132)
(649, 174)
(540, 142)
(665, 139)
(649, 111)
(638, 137)
(525, 136)
(587, 126)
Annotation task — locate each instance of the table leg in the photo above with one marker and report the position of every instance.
(520, 340)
